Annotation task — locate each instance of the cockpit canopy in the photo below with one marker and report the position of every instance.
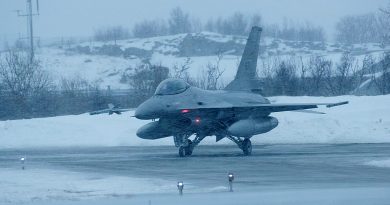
(171, 87)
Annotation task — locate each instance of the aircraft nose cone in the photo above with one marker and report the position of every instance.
(150, 109)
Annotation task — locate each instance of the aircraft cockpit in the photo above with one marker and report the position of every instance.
(171, 87)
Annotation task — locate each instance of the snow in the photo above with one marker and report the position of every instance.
(38, 185)
(65, 187)
(356, 196)
(385, 163)
(107, 70)
(93, 68)
(364, 120)
(46, 186)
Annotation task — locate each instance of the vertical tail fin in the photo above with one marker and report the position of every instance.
(246, 78)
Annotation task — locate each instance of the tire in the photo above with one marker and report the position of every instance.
(188, 151)
(247, 147)
(182, 151)
(188, 148)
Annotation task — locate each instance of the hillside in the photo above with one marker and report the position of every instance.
(105, 63)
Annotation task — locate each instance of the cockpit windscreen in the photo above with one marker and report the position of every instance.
(171, 87)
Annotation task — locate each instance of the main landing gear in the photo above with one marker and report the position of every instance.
(244, 144)
(186, 146)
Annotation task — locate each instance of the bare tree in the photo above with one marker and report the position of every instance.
(111, 34)
(209, 79)
(150, 28)
(146, 78)
(345, 76)
(75, 86)
(236, 24)
(196, 25)
(179, 21)
(181, 70)
(23, 79)
(364, 28)
(319, 69)
(382, 76)
(386, 10)
(285, 79)
(303, 78)
(384, 23)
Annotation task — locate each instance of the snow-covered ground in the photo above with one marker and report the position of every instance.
(364, 120)
(39, 185)
(355, 196)
(61, 187)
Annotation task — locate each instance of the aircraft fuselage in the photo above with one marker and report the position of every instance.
(192, 112)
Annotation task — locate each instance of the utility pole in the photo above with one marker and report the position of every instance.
(29, 14)
(31, 29)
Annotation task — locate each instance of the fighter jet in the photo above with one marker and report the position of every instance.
(237, 112)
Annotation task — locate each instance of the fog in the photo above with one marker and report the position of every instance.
(75, 18)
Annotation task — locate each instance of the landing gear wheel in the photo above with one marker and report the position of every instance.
(247, 147)
(182, 151)
(188, 148)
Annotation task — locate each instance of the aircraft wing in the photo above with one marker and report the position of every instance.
(281, 107)
(274, 107)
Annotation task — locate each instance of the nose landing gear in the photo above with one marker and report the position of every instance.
(187, 146)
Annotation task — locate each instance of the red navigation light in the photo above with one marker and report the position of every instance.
(185, 111)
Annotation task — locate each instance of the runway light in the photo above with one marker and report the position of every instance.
(231, 179)
(180, 187)
(22, 161)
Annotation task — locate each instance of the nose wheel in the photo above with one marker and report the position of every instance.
(186, 148)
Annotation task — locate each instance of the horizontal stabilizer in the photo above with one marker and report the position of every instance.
(308, 111)
(337, 104)
(111, 110)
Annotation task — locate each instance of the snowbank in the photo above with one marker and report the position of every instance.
(365, 120)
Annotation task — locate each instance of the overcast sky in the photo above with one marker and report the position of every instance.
(78, 18)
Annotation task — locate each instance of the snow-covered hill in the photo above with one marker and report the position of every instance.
(364, 120)
(106, 62)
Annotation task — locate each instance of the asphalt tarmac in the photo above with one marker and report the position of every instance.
(269, 167)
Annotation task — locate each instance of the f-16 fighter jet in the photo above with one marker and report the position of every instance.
(237, 113)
